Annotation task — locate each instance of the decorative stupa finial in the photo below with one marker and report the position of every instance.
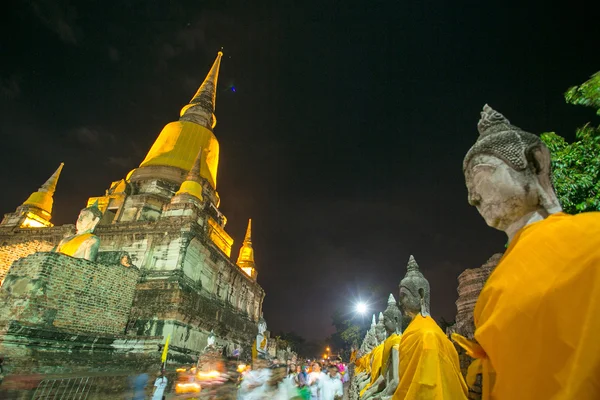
(42, 199)
(202, 106)
(412, 264)
(391, 299)
(192, 184)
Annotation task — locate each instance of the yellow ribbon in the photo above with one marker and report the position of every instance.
(481, 365)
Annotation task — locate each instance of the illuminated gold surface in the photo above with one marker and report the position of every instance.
(246, 257)
(192, 185)
(219, 237)
(42, 199)
(178, 145)
(34, 221)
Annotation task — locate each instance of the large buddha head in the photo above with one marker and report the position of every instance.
(507, 173)
(392, 317)
(414, 291)
(88, 219)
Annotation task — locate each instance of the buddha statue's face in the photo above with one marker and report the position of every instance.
(392, 320)
(262, 327)
(501, 194)
(410, 301)
(86, 221)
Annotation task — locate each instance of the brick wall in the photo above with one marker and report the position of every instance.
(54, 290)
(12, 252)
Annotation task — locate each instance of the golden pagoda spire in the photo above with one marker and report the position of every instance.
(42, 199)
(192, 184)
(201, 108)
(246, 258)
(36, 211)
(178, 143)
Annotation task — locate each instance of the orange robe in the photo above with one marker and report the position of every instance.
(376, 357)
(391, 342)
(429, 368)
(538, 315)
(70, 248)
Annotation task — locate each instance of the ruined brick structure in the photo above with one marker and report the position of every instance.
(470, 284)
(177, 279)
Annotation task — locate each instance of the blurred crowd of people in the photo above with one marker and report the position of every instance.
(287, 381)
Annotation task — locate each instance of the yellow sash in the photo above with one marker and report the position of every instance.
(70, 248)
(393, 340)
(481, 365)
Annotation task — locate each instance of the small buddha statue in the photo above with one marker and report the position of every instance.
(547, 283)
(376, 356)
(210, 341)
(362, 373)
(83, 244)
(260, 348)
(429, 366)
(387, 382)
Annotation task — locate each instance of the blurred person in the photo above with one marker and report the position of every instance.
(315, 379)
(160, 384)
(331, 387)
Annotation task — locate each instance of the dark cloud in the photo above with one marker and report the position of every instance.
(10, 88)
(87, 136)
(59, 17)
(113, 54)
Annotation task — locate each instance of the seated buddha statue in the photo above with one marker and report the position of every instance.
(537, 315)
(259, 348)
(83, 244)
(429, 366)
(362, 373)
(376, 355)
(386, 383)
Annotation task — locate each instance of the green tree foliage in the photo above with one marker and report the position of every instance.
(586, 94)
(576, 166)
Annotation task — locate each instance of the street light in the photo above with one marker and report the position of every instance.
(361, 308)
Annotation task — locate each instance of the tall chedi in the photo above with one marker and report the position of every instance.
(246, 258)
(148, 190)
(36, 211)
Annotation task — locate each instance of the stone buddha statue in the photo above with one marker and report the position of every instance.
(83, 244)
(376, 356)
(362, 373)
(429, 365)
(386, 383)
(260, 348)
(507, 173)
(548, 271)
(210, 341)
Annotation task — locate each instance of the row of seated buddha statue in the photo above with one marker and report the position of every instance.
(536, 322)
(420, 362)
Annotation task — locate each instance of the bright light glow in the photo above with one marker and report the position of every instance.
(192, 387)
(361, 308)
(241, 367)
(203, 376)
(328, 349)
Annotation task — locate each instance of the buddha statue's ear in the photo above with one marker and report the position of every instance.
(424, 310)
(540, 158)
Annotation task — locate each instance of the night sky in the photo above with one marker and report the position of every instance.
(343, 139)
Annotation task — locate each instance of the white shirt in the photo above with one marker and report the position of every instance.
(160, 384)
(258, 379)
(331, 387)
(315, 380)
